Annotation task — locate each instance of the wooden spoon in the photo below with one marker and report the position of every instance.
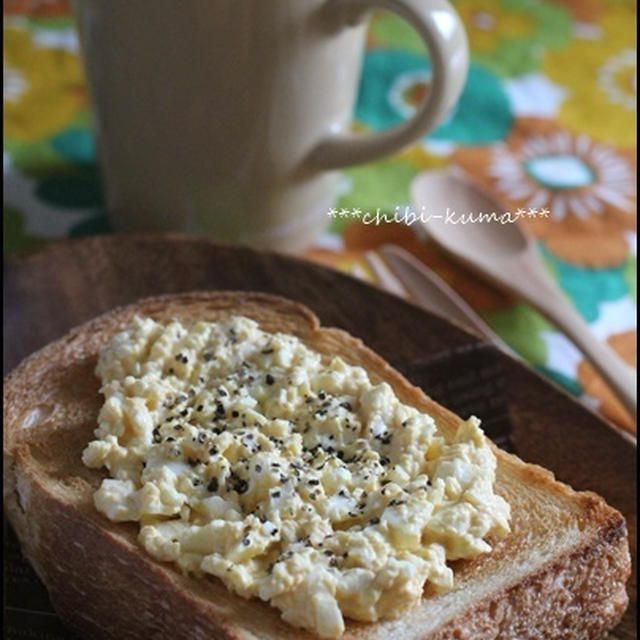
(509, 258)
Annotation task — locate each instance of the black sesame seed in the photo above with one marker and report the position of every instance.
(241, 486)
(269, 379)
(346, 405)
(207, 357)
(199, 407)
(213, 485)
(258, 468)
(246, 542)
(374, 521)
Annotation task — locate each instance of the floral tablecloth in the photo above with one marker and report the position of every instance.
(547, 119)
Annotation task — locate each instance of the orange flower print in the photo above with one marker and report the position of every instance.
(40, 8)
(586, 188)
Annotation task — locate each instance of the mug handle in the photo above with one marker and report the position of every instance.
(443, 33)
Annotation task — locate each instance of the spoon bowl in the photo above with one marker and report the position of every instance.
(459, 204)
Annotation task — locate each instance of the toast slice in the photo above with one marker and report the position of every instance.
(560, 573)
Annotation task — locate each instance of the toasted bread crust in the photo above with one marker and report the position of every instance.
(104, 585)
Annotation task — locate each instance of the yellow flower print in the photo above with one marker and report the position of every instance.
(600, 74)
(43, 87)
(509, 36)
(486, 21)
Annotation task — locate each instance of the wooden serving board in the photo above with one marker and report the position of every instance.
(48, 292)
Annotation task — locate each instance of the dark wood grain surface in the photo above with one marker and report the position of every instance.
(48, 292)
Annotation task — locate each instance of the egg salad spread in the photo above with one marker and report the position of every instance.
(291, 477)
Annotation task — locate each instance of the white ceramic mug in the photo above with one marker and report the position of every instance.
(229, 117)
